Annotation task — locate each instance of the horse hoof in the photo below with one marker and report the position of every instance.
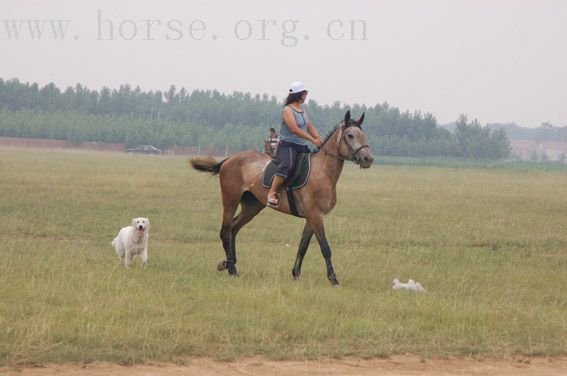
(222, 266)
(233, 272)
(334, 280)
(295, 275)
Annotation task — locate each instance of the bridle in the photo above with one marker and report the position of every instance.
(353, 153)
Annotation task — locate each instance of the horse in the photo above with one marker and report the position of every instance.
(240, 178)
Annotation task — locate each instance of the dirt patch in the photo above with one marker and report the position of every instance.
(395, 366)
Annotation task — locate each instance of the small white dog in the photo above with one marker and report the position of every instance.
(133, 240)
(411, 285)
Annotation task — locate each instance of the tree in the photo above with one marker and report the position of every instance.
(238, 120)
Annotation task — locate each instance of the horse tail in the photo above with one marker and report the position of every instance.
(207, 164)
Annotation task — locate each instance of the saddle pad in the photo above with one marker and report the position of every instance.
(299, 177)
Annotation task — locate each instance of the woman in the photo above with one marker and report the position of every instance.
(296, 131)
(271, 143)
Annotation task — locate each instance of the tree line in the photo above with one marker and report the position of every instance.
(238, 120)
(545, 132)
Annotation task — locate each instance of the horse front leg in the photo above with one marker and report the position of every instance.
(302, 250)
(318, 228)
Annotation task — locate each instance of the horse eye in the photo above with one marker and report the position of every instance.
(350, 136)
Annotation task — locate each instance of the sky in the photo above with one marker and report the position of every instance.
(496, 61)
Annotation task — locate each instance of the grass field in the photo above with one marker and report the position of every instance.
(490, 247)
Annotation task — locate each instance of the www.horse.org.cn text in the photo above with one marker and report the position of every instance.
(285, 32)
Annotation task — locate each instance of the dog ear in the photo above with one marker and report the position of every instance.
(147, 223)
(134, 222)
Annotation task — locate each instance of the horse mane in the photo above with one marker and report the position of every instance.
(328, 136)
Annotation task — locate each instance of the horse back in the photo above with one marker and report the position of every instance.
(244, 168)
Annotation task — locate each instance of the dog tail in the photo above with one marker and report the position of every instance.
(207, 164)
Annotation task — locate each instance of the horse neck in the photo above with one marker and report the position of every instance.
(330, 159)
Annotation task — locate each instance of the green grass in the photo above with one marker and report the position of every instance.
(490, 246)
(451, 162)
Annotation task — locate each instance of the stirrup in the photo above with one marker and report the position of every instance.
(274, 200)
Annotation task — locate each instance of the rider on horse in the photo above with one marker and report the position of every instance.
(296, 130)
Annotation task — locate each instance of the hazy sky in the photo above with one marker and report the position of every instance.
(497, 61)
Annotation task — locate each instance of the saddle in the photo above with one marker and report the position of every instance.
(296, 180)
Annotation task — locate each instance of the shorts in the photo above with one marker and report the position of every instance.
(287, 153)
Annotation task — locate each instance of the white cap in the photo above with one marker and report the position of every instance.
(297, 87)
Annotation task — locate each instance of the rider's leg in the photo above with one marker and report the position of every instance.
(276, 183)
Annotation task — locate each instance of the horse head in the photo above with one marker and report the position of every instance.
(353, 146)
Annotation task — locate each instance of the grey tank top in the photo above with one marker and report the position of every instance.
(287, 135)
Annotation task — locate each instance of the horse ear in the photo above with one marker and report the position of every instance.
(347, 118)
(359, 122)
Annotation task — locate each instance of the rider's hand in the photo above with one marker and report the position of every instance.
(317, 141)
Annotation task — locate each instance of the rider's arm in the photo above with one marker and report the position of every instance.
(312, 131)
(292, 125)
(311, 128)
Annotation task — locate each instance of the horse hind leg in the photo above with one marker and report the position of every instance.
(230, 204)
(249, 208)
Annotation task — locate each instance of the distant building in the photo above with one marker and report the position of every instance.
(527, 150)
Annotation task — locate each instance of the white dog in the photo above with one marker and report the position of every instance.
(133, 240)
(411, 285)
